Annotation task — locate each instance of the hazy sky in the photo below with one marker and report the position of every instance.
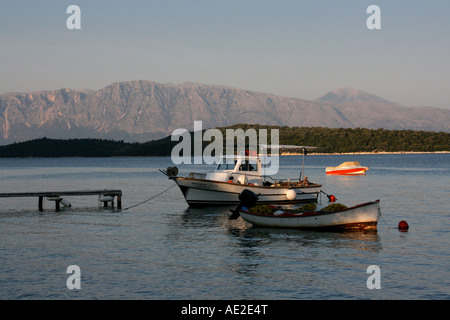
(291, 48)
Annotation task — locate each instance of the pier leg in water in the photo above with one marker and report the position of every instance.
(40, 203)
(119, 202)
(57, 205)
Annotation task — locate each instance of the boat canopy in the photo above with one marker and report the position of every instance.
(284, 146)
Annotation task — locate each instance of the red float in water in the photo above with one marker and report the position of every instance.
(403, 225)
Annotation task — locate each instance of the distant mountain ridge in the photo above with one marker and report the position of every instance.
(143, 110)
(350, 95)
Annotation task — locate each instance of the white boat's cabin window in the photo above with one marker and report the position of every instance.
(227, 165)
(248, 165)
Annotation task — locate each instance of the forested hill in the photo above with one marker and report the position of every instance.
(327, 140)
(63, 148)
(342, 140)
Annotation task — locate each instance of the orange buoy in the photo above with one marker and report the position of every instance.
(403, 225)
(332, 198)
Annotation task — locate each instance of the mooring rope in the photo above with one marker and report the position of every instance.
(382, 218)
(150, 198)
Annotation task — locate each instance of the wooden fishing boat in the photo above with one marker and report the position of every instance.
(335, 216)
(362, 217)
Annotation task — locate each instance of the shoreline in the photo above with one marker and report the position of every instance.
(363, 153)
(283, 154)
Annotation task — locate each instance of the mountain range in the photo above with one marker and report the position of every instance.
(141, 110)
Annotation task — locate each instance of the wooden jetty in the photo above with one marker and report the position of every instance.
(105, 196)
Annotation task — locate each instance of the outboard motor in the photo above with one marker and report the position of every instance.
(247, 199)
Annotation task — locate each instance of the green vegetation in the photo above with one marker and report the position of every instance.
(327, 140)
(342, 140)
(63, 148)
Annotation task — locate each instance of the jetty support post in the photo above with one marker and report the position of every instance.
(58, 205)
(40, 203)
(119, 201)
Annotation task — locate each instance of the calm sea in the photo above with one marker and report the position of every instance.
(161, 249)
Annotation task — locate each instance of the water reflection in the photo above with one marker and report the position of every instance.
(250, 236)
(203, 216)
(256, 253)
(268, 251)
(363, 240)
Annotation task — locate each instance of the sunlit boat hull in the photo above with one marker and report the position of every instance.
(348, 171)
(200, 192)
(347, 168)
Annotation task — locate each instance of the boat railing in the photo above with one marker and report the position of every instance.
(290, 182)
(233, 176)
(262, 179)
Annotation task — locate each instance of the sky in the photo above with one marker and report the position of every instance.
(290, 48)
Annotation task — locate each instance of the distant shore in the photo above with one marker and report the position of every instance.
(362, 153)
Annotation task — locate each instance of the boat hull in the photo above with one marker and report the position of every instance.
(346, 170)
(199, 192)
(363, 216)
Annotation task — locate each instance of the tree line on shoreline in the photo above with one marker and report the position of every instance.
(327, 140)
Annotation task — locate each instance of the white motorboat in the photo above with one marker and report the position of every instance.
(347, 168)
(236, 173)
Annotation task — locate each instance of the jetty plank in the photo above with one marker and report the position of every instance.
(42, 194)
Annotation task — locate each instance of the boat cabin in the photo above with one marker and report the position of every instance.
(248, 169)
(238, 169)
(235, 169)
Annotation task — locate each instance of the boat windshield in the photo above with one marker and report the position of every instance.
(226, 165)
(248, 166)
(349, 164)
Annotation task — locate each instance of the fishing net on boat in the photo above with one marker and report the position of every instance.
(308, 207)
(262, 209)
(269, 210)
(334, 207)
